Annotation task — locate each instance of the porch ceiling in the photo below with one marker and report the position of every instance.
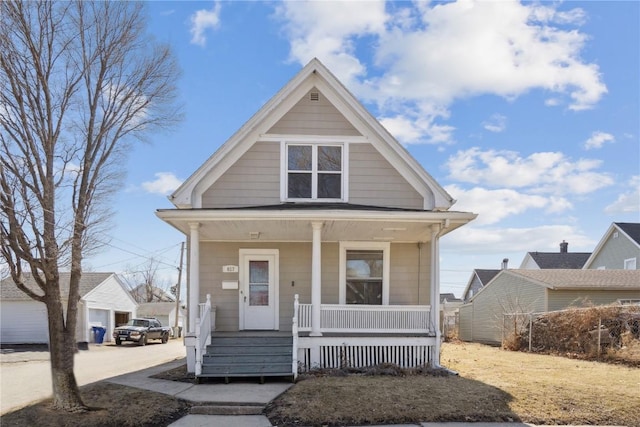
(272, 226)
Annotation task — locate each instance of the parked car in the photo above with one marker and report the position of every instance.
(141, 331)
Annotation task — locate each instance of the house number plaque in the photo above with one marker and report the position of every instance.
(229, 268)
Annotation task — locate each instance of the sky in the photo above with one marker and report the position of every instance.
(526, 113)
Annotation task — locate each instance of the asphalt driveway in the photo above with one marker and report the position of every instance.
(25, 376)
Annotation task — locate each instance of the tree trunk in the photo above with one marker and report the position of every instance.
(62, 348)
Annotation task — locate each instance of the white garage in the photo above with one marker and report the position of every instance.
(104, 300)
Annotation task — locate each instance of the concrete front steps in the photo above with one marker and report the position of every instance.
(248, 355)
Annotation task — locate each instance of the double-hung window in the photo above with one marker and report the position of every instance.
(314, 172)
(364, 273)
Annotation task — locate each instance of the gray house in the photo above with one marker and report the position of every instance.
(619, 248)
(313, 225)
(535, 291)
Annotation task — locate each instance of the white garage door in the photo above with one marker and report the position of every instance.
(23, 322)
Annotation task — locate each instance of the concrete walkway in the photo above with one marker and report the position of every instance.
(237, 404)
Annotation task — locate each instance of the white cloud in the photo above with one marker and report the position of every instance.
(433, 53)
(598, 139)
(497, 123)
(544, 172)
(316, 30)
(203, 20)
(501, 241)
(627, 202)
(164, 184)
(492, 206)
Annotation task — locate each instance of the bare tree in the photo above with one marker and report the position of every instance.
(146, 285)
(79, 82)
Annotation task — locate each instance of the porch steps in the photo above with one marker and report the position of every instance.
(248, 356)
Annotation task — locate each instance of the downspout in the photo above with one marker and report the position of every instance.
(437, 231)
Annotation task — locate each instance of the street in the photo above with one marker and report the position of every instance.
(25, 377)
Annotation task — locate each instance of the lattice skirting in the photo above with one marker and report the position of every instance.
(357, 355)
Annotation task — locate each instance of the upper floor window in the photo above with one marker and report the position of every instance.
(314, 171)
(630, 264)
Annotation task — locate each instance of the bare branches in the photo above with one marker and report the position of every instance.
(79, 81)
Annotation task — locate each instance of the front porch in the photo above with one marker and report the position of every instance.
(348, 336)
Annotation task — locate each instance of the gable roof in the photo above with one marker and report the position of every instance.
(631, 230)
(313, 75)
(555, 260)
(88, 282)
(572, 279)
(484, 276)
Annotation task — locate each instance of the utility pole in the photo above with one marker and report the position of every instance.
(178, 288)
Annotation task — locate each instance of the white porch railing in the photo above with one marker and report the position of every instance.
(203, 332)
(367, 318)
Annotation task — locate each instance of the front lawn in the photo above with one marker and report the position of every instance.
(494, 385)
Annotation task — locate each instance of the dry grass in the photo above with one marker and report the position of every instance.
(110, 405)
(494, 385)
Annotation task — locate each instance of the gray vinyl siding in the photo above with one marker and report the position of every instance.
(561, 299)
(465, 322)
(254, 180)
(505, 294)
(614, 251)
(475, 287)
(295, 277)
(374, 181)
(405, 288)
(314, 118)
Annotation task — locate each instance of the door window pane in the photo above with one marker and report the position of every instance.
(258, 283)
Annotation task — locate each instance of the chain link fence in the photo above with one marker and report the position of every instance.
(592, 332)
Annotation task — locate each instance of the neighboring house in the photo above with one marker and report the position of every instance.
(165, 312)
(554, 260)
(312, 197)
(535, 291)
(619, 248)
(145, 293)
(104, 302)
(478, 279)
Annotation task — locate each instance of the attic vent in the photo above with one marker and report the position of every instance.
(615, 234)
(314, 96)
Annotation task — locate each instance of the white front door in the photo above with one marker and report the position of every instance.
(259, 289)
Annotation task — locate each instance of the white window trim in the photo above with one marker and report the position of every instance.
(386, 265)
(632, 263)
(284, 197)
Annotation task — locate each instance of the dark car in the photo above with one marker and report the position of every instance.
(141, 330)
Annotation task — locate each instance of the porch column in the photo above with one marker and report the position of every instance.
(316, 289)
(435, 289)
(194, 275)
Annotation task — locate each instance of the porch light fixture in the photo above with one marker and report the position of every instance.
(254, 235)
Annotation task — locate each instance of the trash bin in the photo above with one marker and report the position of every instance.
(98, 333)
